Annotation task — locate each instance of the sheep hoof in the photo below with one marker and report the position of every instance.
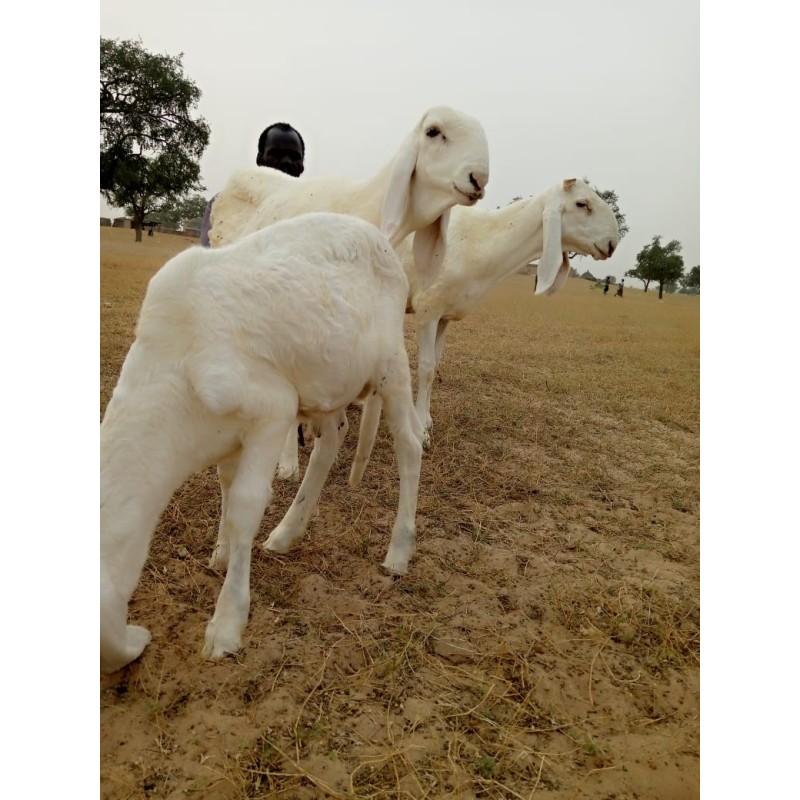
(426, 441)
(136, 639)
(219, 559)
(395, 565)
(220, 643)
(277, 542)
(289, 473)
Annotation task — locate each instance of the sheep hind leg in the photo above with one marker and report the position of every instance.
(289, 463)
(250, 493)
(426, 370)
(406, 429)
(368, 429)
(333, 429)
(226, 470)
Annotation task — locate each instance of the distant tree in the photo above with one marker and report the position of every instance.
(150, 146)
(187, 208)
(662, 264)
(691, 281)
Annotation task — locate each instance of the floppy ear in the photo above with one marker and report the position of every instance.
(429, 248)
(555, 261)
(399, 191)
(552, 259)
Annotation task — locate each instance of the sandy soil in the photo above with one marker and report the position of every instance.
(545, 642)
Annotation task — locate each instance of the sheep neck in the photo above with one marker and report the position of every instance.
(369, 196)
(507, 240)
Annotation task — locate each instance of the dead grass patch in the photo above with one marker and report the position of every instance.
(546, 640)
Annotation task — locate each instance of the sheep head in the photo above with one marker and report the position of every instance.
(575, 219)
(443, 162)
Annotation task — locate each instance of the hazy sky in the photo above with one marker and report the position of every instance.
(605, 90)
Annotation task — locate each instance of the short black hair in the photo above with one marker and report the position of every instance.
(283, 126)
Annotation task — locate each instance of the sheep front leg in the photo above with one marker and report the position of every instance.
(120, 643)
(333, 429)
(406, 429)
(250, 493)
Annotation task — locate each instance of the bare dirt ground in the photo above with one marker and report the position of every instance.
(545, 642)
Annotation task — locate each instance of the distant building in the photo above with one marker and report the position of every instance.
(105, 222)
(122, 222)
(191, 226)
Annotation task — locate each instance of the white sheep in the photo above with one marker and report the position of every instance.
(484, 248)
(443, 161)
(232, 345)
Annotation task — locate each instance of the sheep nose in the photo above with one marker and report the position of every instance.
(611, 248)
(478, 180)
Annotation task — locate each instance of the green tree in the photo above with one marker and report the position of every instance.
(150, 146)
(660, 263)
(187, 208)
(691, 281)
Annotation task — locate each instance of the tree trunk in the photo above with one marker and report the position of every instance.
(138, 220)
(660, 291)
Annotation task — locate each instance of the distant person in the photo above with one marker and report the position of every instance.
(620, 288)
(281, 147)
(605, 288)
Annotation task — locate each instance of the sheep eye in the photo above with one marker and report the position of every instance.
(580, 204)
(432, 132)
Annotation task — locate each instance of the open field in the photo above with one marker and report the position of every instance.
(545, 642)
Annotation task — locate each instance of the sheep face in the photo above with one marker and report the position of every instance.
(443, 162)
(577, 219)
(452, 162)
(588, 225)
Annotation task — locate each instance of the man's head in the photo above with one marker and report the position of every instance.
(281, 147)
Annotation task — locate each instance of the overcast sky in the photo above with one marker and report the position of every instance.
(605, 90)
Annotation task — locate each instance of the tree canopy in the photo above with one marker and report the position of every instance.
(691, 281)
(660, 263)
(150, 145)
(187, 208)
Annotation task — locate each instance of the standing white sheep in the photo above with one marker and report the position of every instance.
(484, 248)
(232, 345)
(443, 162)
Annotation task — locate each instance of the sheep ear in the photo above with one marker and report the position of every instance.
(569, 183)
(398, 193)
(430, 245)
(552, 259)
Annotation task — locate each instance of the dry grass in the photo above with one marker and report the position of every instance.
(546, 640)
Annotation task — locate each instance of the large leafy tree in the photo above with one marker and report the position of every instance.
(150, 145)
(660, 263)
